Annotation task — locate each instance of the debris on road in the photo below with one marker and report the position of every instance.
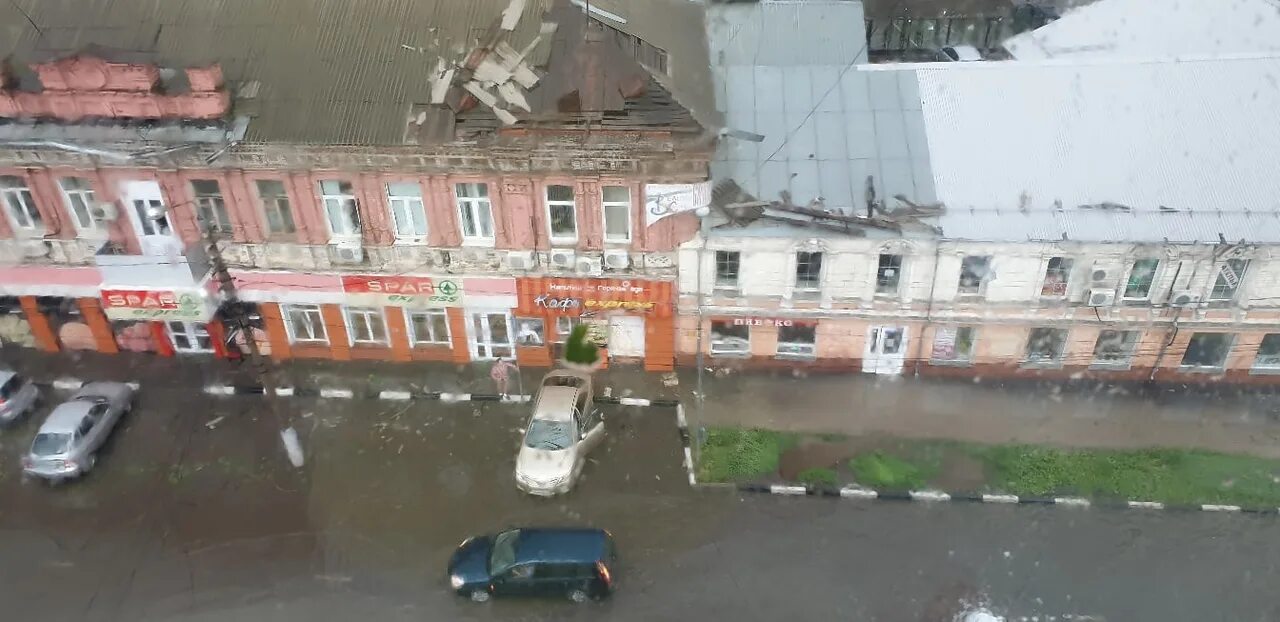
(213, 423)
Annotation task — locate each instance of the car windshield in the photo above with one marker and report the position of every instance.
(48, 444)
(551, 435)
(503, 555)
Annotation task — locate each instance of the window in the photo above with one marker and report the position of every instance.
(974, 273)
(18, 202)
(727, 268)
(617, 214)
(1115, 347)
(561, 214)
(728, 338)
(339, 200)
(529, 332)
(429, 328)
(1268, 353)
(474, 211)
(564, 326)
(1207, 350)
(953, 344)
(275, 206)
(210, 207)
(1045, 345)
(808, 270)
(407, 212)
(78, 193)
(1056, 275)
(366, 326)
(888, 274)
(797, 340)
(1141, 275)
(306, 324)
(1229, 277)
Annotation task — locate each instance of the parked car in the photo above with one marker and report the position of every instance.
(577, 563)
(18, 396)
(563, 428)
(962, 53)
(66, 445)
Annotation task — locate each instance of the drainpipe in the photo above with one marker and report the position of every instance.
(704, 226)
(928, 314)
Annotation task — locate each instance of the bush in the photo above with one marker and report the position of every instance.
(879, 470)
(818, 477)
(734, 454)
(578, 349)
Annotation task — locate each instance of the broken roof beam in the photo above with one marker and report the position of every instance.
(879, 223)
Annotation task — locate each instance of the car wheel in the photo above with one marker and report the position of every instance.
(479, 596)
(578, 596)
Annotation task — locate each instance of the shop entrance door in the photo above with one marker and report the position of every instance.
(626, 335)
(190, 337)
(150, 218)
(886, 350)
(491, 335)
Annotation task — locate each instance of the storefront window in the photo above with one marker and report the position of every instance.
(134, 336)
(797, 340)
(190, 336)
(564, 326)
(429, 328)
(492, 334)
(366, 326)
(1045, 345)
(306, 324)
(529, 332)
(1207, 350)
(1268, 353)
(1115, 347)
(729, 339)
(953, 344)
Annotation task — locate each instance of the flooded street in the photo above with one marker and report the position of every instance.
(191, 517)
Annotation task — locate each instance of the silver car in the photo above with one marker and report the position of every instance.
(564, 426)
(66, 445)
(18, 396)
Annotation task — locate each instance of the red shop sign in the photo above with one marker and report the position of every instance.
(764, 321)
(586, 297)
(139, 299)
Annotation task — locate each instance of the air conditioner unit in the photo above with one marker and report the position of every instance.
(1184, 299)
(1099, 275)
(1100, 298)
(521, 260)
(590, 265)
(617, 259)
(105, 212)
(347, 252)
(563, 259)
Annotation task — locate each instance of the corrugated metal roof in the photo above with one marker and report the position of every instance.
(1191, 136)
(1154, 29)
(788, 71)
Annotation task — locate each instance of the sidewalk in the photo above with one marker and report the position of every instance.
(1079, 414)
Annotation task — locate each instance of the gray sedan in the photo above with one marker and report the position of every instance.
(66, 445)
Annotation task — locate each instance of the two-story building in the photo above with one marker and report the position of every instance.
(385, 180)
(1100, 218)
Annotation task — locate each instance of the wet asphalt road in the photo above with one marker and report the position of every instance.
(183, 521)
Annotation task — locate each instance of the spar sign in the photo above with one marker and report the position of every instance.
(130, 304)
(402, 291)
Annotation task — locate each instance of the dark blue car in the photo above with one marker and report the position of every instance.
(576, 563)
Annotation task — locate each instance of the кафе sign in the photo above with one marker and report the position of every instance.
(588, 297)
(402, 291)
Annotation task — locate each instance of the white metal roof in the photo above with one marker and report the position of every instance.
(1190, 147)
(1154, 29)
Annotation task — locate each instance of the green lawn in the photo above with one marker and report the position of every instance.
(1166, 475)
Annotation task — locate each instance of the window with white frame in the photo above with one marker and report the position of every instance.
(340, 211)
(730, 338)
(564, 326)
(210, 207)
(617, 213)
(1115, 347)
(888, 274)
(407, 211)
(1230, 275)
(1056, 275)
(429, 328)
(562, 214)
(1207, 351)
(306, 324)
(808, 271)
(1142, 274)
(1045, 345)
(1268, 353)
(797, 340)
(78, 193)
(275, 206)
(19, 204)
(727, 264)
(975, 271)
(475, 213)
(366, 326)
(953, 344)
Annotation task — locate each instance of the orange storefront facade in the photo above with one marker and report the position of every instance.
(631, 319)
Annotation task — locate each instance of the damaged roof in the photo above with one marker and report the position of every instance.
(339, 72)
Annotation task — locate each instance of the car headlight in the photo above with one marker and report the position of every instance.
(455, 581)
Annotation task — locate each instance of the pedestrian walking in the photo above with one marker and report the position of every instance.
(501, 375)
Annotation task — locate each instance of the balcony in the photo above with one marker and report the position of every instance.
(173, 270)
